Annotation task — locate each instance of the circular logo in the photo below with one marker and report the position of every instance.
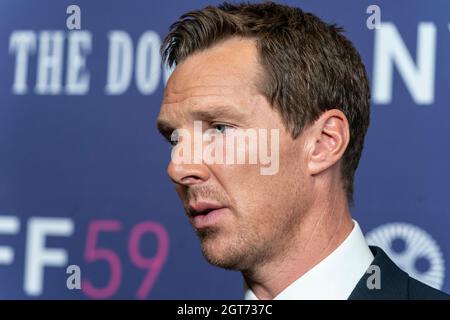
(412, 249)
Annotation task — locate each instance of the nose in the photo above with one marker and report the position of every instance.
(187, 174)
(186, 170)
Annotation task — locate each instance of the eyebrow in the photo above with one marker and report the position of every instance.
(222, 112)
(218, 112)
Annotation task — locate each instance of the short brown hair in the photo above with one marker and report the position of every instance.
(309, 66)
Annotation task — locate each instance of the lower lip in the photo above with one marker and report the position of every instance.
(203, 221)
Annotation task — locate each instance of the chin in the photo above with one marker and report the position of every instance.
(228, 263)
(220, 252)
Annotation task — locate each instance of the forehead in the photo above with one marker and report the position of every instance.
(227, 73)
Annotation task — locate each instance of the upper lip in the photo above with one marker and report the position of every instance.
(202, 207)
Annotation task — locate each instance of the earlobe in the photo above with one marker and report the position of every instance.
(331, 136)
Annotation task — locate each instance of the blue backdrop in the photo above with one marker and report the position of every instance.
(82, 167)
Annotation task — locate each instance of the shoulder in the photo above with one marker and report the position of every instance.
(394, 283)
(420, 291)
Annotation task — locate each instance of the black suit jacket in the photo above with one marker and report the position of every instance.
(395, 283)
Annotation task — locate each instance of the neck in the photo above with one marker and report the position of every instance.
(322, 230)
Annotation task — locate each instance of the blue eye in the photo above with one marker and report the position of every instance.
(222, 128)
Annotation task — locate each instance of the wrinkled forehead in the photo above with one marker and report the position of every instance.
(223, 74)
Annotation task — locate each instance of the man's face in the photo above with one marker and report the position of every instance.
(255, 215)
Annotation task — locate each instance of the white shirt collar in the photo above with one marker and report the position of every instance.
(333, 278)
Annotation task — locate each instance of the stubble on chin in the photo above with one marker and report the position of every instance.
(219, 249)
(228, 252)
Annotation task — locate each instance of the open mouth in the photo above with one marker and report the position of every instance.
(195, 213)
(205, 214)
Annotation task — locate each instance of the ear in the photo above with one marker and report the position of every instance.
(328, 138)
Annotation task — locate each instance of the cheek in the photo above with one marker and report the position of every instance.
(242, 183)
(237, 178)
(293, 161)
(253, 194)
